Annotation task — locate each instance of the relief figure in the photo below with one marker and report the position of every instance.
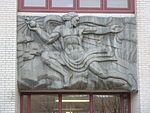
(67, 50)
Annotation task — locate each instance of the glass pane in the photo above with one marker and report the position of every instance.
(75, 104)
(126, 104)
(34, 3)
(44, 104)
(117, 3)
(25, 104)
(90, 3)
(62, 3)
(106, 103)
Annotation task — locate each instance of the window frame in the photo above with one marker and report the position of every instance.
(131, 7)
(62, 8)
(59, 94)
(90, 8)
(30, 8)
(76, 8)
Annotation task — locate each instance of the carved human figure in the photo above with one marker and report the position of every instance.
(73, 54)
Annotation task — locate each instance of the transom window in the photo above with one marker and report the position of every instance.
(83, 6)
(75, 103)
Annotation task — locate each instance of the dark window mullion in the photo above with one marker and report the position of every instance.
(29, 104)
(129, 103)
(21, 104)
(76, 4)
(49, 4)
(60, 103)
(121, 103)
(91, 103)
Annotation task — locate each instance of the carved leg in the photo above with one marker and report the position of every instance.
(95, 68)
(55, 65)
(128, 78)
(61, 70)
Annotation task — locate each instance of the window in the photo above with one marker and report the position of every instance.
(34, 3)
(81, 6)
(62, 3)
(90, 4)
(118, 4)
(75, 103)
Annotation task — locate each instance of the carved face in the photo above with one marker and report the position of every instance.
(75, 21)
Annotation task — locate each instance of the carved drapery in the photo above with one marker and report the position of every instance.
(72, 52)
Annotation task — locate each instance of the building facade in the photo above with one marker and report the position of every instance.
(9, 89)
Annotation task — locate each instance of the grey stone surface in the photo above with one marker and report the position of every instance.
(72, 52)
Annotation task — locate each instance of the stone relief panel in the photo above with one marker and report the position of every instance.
(76, 52)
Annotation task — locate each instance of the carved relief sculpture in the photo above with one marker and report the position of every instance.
(72, 52)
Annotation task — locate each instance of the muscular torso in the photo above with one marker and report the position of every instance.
(70, 39)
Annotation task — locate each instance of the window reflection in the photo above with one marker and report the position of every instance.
(25, 104)
(126, 109)
(44, 104)
(117, 3)
(90, 3)
(75, 104)
(62, 3)
(106, 103)
(35, 3)
(70, 103)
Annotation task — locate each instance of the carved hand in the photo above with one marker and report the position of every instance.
(33, 26)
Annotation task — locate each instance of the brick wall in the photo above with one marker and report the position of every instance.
(143, 32)
(8, 56)
(8, 89)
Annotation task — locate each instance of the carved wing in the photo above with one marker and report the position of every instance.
(95, 21)
(51, 22)
(92, 40)
(121, 45)
(127, 50)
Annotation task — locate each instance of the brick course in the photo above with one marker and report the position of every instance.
(8, 56)
(143, 34)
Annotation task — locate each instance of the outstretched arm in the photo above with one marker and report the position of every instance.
(103, 30)
(46, 37)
